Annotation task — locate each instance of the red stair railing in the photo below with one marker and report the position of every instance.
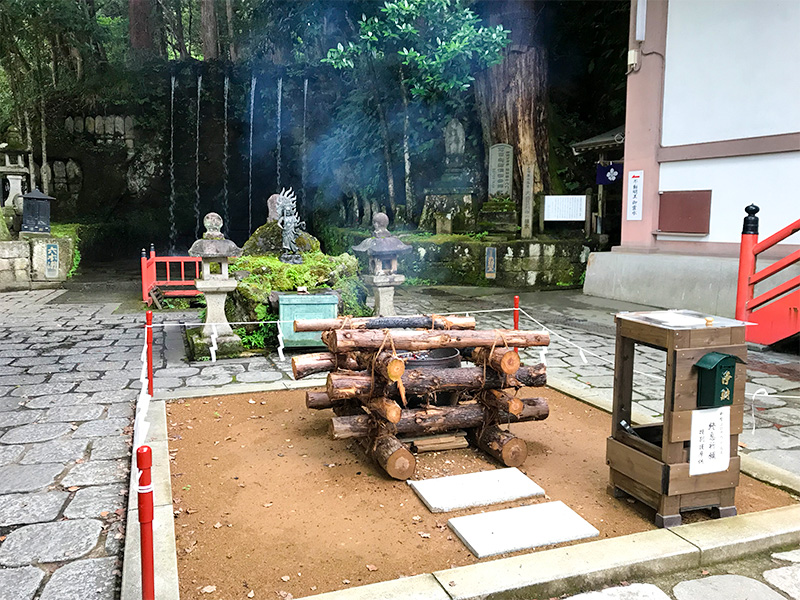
(781, 319)
(171, 283)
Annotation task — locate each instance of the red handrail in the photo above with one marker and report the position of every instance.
(749, 250)
(150, 268)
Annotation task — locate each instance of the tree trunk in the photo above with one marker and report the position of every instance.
(387, 159)
(392, 456)
(45, 178)
(179, 37)
(231, 39)
(29, 143)
(415, 322)
(140, 31)
(208, 32)
(420, 382)
(502, 360)
(409, 182)
(502, 445)
(436, 419)
(345, 340)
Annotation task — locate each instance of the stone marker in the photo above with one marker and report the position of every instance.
(501, 165)
(527, 203)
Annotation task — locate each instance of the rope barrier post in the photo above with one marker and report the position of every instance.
(747, 263)
(149, 341)
(516, 317)
(144, 461)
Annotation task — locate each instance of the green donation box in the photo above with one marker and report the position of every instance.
(292, 307)
(716, 373)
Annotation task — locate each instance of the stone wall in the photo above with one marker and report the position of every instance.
(23, 263)
(521, 264)
(102, 128)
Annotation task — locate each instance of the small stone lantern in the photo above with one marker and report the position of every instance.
(36, 213)
(214, 249)
(382, 250)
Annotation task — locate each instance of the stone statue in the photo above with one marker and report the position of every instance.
(454, 143)
(289, 221)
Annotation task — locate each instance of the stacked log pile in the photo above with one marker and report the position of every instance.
(376, 398)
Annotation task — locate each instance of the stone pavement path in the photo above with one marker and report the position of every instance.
(66, 375)
(779, 582)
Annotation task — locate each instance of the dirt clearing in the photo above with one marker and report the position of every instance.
(266, 502)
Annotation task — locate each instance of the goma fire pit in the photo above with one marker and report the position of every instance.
(438, 358)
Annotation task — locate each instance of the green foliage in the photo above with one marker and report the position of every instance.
(262, 336)
(69, 230)
(435, 44)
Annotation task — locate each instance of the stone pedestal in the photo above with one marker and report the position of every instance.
(448, 209)
(383, 290)
(15, 189)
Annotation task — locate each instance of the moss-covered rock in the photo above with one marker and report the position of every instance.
(268, 239)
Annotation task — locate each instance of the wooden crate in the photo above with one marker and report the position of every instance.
(653, 465)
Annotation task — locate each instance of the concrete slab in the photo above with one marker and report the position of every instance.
(419, 587)
(730, 587)
(520, 528)
(793, 556)
(733, 537)
(767, 438)
(786, 579)
(444, 494)
(588, 565)
(771, 474)
(784, 459)
(636, 591)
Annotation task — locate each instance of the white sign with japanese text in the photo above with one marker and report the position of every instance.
(710, 444)
(565, 208)
(635, 195)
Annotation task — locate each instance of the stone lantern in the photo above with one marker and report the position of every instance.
(36, 213)
(214, 250)
(382, 251)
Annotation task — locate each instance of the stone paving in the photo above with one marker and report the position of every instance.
(69, 374)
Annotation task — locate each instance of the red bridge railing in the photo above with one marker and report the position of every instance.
(776, 312)
(174, 275)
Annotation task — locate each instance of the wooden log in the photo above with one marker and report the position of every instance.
(502, 445)
(392, 456)
(318, 401)
(385, 364)
(345, 340)
(385, 408)
(437, 419)
(304, 365)
(419, 382)
(500, 400)
(502, 360)
(413, 322)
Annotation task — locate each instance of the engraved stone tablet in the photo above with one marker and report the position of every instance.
(501, 164)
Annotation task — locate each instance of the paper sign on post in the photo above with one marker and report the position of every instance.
(635, 195)
(710, 447)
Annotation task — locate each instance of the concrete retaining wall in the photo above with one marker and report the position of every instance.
(703, 283)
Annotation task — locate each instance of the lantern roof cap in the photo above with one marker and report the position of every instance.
(37, 195)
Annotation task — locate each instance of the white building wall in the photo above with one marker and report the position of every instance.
(732, 70)
(766, 180)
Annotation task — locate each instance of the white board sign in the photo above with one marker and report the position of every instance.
(709, 446)
(635, 195)
(565, 208)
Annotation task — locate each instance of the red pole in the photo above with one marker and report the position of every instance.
(516, 317)
(145, 277)
(144, 461)
(149, 339)
(747, 263)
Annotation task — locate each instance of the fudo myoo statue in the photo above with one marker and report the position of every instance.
(289, 221)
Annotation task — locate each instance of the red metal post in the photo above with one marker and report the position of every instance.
(149, 340)
(516, 317)
(144, 461)
(145, 287)
(747, 263)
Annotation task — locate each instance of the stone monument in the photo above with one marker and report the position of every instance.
(450, 203)
(382, 250)
(214, 250)
(499, 213)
